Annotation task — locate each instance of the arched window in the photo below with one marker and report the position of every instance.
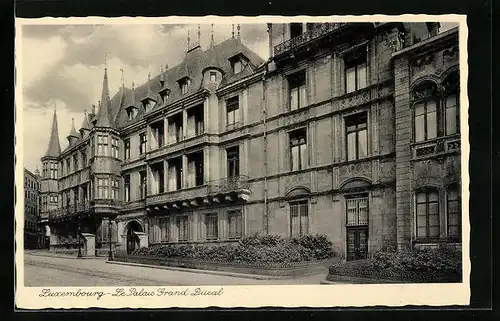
(453, 212)
(451, 103)
(425, 112)
(427, 213)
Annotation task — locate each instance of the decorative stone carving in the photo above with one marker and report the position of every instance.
(301, 179)
(363, 169)
(355, 100)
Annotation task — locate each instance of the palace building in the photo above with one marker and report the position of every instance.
(349, 130)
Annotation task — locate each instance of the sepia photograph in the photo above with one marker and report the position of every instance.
(292, 152)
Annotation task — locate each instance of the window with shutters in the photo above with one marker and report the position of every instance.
(357, 211)
(211, 226)
(183, 228)
(235, 223)
(299, 218)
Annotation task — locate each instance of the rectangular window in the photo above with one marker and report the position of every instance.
(102, 145)
(126, 184)
(115, 189)
(68, 165)
(298, 150)
(213, 76)
(355, 72)
(115, 149)
(53, 170)
(451, 110)
(126, 149)
(357, 136)
(75, 162)
(164, 235)
(102, 188)
(233, 161)
(296, 29)
(84, 157)
(425, 120)
(185, 85)
(235, 224)
(183, 228)
(212, 226)
(143, 184)
(454, 213)
(299, 218)
(427, 213)
(232, 111)
(357, 211)
(297, 84)
(142, 146)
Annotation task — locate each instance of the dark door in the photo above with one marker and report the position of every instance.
(131, 240)
(357, 243)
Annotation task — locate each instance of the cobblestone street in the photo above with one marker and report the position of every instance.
(45, 270)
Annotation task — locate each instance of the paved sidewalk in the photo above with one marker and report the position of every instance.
(41, 270)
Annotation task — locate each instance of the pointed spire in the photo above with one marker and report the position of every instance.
(132, 99)
(212, 36)
(232, 35)
(239, 27)
(85, 123)
(73, 132)
(54, 148)
(104, 113)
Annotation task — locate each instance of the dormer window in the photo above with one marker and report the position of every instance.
(131, 112)
(164, 94)
(184, 84)
(213, 76)
(238, 63)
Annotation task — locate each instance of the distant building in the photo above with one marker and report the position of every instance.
(31, 209)
(335, 134)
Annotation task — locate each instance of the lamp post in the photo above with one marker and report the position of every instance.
(110, 256)
(79, 238)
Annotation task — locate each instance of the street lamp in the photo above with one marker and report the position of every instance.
(110, 257)
(79, 239)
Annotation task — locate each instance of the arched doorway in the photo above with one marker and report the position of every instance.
(132, 238)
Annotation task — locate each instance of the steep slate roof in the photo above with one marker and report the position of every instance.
(54, 148)
(105, 113)
(192, 66)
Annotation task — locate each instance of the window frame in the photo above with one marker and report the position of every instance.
(126, 149)
(185, 228)
(358, 200)
(359, 127)
(454, 187)
(427, 191)
(298, 138)
(127, 188)
(102, 144)
(356, 60)
(233, 108)
(115, 147)
(233, 161)
(233, 235)
(211, 232)
(297, 80)
(300, 206)
(103, 188)
(143, 140)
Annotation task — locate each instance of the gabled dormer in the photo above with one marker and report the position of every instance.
(164, 90)
(184, 84)
(131, 108)
(238, 63)
(149, 101)
(73, 134)
(86, 127)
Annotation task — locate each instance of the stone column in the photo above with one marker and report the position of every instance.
(184, 124)
(184, 171)
(165, 175)
(148, 137)
(149, 179)
(206, 164)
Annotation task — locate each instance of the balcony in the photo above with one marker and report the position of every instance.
(315, 32)
(69, 211)
(181, 145)
(228, 189)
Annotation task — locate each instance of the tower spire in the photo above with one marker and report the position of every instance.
(212, 35)
(54, 148)
(104, 116)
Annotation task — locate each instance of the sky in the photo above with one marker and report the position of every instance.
(63, 67)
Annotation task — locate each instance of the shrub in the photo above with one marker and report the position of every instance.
(250, 250)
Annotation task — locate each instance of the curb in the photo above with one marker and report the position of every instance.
(171, 268)
(67, 256)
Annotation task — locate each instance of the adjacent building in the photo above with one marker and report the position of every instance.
(32, 237)
(347, 130)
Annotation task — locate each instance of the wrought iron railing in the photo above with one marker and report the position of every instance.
(71, 209)
(316, 31)
(228, 184)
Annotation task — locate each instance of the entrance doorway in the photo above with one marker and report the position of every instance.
(357, 243)
(132, 238)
